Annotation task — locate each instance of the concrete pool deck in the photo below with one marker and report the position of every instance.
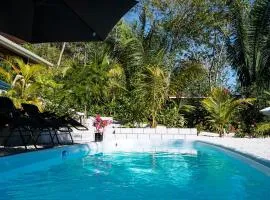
(257, 147)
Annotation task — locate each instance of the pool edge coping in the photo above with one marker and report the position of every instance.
(41, 150)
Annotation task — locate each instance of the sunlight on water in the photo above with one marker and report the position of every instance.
(209, 174)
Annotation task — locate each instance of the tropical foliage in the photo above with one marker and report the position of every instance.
(248, 43)
(153, 89)
(222, 107)
(263, 128)
(28, 81)
(167, 64)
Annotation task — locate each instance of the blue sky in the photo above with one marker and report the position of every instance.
(131, 16)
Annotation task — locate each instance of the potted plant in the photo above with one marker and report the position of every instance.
(100, 124)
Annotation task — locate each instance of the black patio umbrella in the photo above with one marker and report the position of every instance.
(39, 21)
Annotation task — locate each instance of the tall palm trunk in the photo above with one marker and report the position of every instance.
(61, 54)
(153, 123)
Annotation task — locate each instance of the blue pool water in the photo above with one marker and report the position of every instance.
(211, 174)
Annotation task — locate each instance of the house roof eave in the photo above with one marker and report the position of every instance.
(12, 46)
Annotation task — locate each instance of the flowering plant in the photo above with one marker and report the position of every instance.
(100, 124)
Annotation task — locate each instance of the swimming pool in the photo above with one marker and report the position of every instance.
(210, 174)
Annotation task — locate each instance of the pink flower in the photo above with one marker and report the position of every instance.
(101, 124)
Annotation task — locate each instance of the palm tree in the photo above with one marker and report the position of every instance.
(145, 77)
(249, 43)
(128, 49)
(153, 87)
(221, 107)
(147, 71)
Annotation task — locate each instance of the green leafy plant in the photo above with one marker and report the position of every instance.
(171, 116)
(27, 82)
(263, 128)
(222, 107)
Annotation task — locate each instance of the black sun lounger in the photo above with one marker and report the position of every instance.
(51, 123)
(73, 123)
(13, 121)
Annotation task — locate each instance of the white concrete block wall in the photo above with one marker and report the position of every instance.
(173, 131)
(160, 131)
(136, 137)
(142, 139)
(153, 145)
(83, 136)
(138, 130)
(156, 137)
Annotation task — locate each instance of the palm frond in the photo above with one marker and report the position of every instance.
(263, 128)
(221, 107)
(248, 45)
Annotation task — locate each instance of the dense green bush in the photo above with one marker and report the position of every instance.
(171, 117)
